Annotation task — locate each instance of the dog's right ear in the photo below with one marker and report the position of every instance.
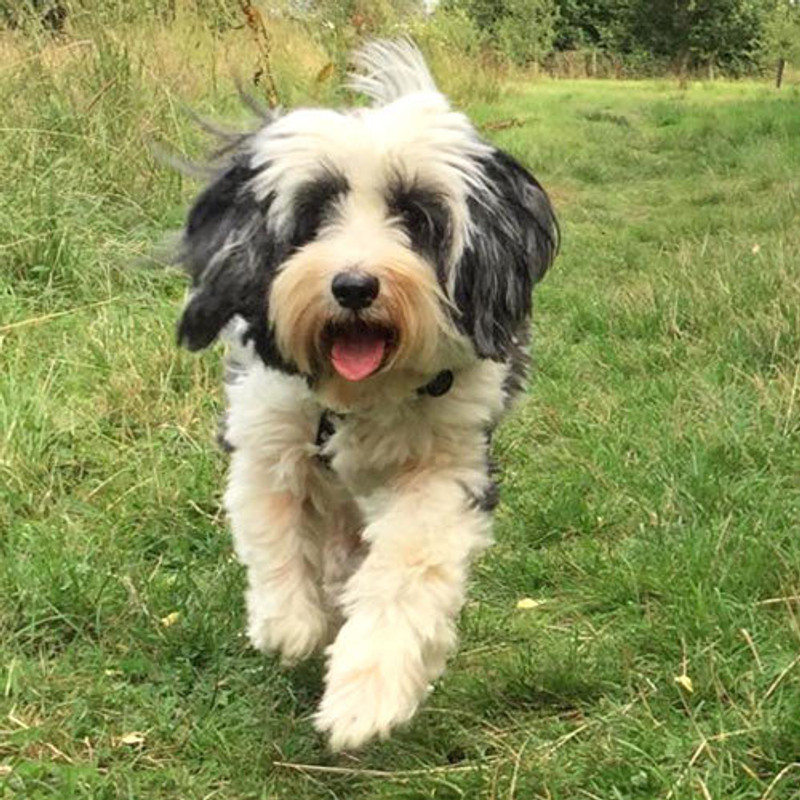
(230, 256)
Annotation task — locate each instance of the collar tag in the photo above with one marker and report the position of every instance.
(440, 385)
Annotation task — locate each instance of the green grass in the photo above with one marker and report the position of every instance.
(651, 476)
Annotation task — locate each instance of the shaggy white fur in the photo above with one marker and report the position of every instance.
(397, 488)
(372, 271)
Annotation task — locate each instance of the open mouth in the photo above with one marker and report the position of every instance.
(358, 349)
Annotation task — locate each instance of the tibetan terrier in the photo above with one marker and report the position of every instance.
(371, 272)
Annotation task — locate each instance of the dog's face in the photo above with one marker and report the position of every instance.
(378, 206)
(363, 245)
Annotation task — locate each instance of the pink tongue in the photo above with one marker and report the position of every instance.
(356, 356)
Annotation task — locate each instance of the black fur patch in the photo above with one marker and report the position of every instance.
(312, 204)
(425, 218)
(515, 240)
(222, 435)
(486, 497)
(519, 362)
(486, 500)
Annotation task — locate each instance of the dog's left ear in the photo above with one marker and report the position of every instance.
(514, 240)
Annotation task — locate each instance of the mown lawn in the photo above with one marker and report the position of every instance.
(651, 475)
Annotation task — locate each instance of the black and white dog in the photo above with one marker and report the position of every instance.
(371, 271)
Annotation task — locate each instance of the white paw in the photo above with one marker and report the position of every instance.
(294, 634)
(364, 705)
(370, 690)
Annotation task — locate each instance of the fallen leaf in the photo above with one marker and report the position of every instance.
(132, 739)
(5, 769)
(170, 619)
(528, 603)
(325, 72)
(685, 682)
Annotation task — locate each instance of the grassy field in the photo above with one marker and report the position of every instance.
(651, 475)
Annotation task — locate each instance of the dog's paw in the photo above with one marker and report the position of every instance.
(294, 636)
(369, 690)
(363, 705)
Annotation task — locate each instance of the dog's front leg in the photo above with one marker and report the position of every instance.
(273, 538)
(401, 607)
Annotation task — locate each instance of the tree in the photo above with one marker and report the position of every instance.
(524, 30)
(782, 36)
(729, 34)
(600, 24)
(527, 30)
(702, 32)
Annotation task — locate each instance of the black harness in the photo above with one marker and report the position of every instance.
(438, 386)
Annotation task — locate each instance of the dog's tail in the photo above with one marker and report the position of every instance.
(387, 69)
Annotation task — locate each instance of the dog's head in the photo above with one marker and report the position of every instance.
(374, 242)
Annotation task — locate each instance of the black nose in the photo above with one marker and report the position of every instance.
(354, 289)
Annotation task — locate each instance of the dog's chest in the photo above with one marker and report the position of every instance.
(368, 453)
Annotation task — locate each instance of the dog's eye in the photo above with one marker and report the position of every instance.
(417, 219)
(424, 215)
(307, 221)
(313, 204)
